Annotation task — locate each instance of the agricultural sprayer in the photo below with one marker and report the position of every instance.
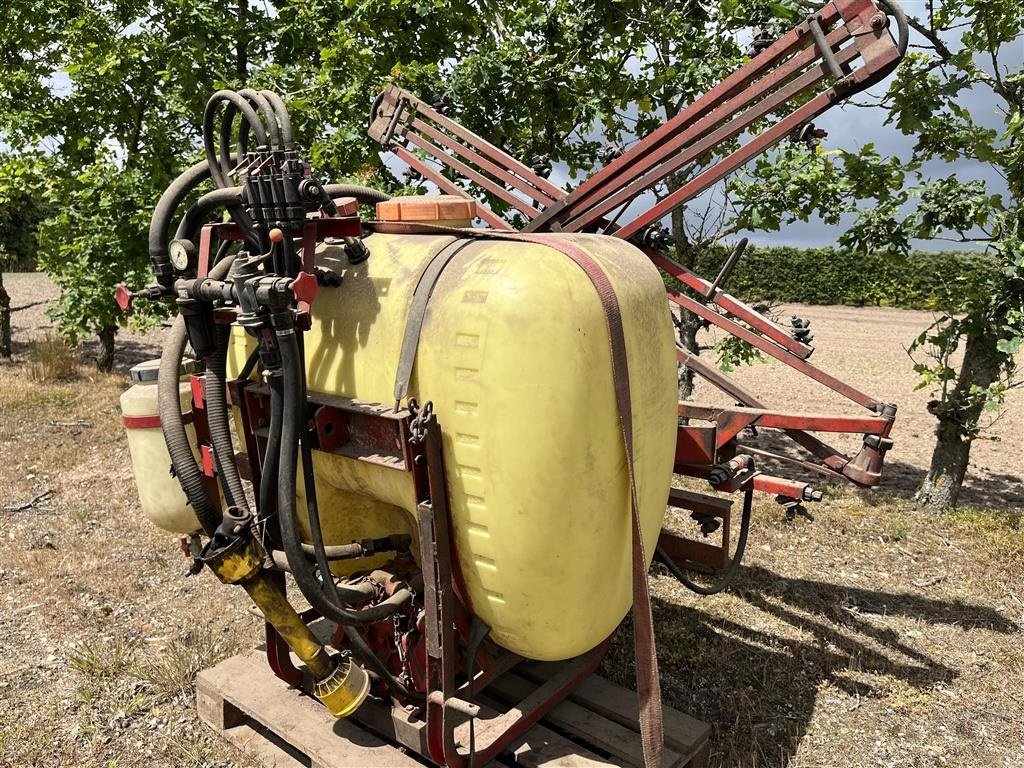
(460, 441)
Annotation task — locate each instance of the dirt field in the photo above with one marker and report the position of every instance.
(875, 635)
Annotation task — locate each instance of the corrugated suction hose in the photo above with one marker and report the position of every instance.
(183, 460)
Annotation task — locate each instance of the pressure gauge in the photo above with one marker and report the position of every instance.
(181, 252)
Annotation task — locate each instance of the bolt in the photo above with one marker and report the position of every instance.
(878, 21)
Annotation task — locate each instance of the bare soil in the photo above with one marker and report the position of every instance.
(874, 635)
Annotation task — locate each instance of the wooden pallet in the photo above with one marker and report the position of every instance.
(596, 726)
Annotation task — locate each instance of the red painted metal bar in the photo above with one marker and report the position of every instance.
(761, 417)
(716, 377)
(780, 486)
(816, 447)
(730, 123)
(466, 135)
(458, 166)
(539, 196)
(448, 186)
(396, 112)
(730, 304)
(736, 82)
(755, 146)
(780, 354)
(810, 466)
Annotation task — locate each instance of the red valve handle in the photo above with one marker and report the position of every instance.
(305, 287)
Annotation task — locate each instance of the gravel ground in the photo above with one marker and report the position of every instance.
(873, 636)
(27, 289)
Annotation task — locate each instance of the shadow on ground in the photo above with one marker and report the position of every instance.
(128, 352)
(759, 687)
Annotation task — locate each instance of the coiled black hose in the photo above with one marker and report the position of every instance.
(268, 469)
(197, 213)
(169, 405)
(220, 167)
(727, 576)
(283, 118)
(269, 115)
(163, 213)
(292, 424)
(293, 409)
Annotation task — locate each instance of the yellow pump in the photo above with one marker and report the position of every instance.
(514, 355)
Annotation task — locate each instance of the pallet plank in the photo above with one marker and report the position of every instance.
(394, 723)
(685, 734)
(591, 727)
(243, 688)
(267, 749)
(596, 727)
(543, 748)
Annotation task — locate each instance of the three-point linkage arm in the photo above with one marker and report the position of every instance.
(835, 52)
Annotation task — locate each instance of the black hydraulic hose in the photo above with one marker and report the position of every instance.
(250, 365)
(243, 106)
(734, 565)
(163, 213)
(293, 421)
(228, 197)
(269, 116)
(225, 197)
(365, 195)
(304, 577)
(198, 212)
(268, 469)
(169, 405)
(227, 122)
(309, 585)
(219, 422)
(283, 118)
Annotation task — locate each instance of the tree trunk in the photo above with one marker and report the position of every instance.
(958, 417)
(689, 324)
(5, 320)
(242, 44)
(105, 359)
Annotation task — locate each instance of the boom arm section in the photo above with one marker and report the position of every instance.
(832, 54)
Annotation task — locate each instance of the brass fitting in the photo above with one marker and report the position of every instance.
(236, 557)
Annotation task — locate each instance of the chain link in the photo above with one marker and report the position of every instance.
(421, 417)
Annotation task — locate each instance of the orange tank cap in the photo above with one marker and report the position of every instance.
(427, 208)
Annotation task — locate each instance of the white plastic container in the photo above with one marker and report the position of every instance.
(163, 501)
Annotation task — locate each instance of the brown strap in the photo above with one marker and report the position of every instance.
(647, 681)
(417, 312)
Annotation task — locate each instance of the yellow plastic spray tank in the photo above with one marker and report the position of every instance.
(515, 357)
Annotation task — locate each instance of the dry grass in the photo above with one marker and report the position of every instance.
(873, 636)
(51, 359)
